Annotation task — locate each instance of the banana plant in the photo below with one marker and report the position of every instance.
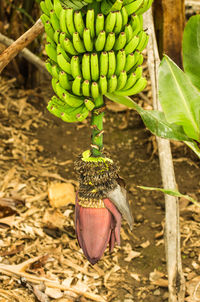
(95, 50)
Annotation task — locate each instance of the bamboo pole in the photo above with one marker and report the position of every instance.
(176, 281)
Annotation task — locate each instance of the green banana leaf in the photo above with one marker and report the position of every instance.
(172, 193)
(179, 98)
(155, 121)
(191, 50)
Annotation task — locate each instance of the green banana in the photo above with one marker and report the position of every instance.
(89, 104)
(133, 6)
(49, 4)
(94, 66)
(63, 52)
(64, 65)
(121, 61)
(44, 18)
(106, 6)
(94, 90)
(112, 83)
(44, 8)
(90, 22)
(76, 85)
(132, 45)
(138, 72)
(118, 24)
(56, 36)
(100, 41)
(87, 39)
(68, 46)
(49, 30)
(64, 80)
(57, 8)
(70, 21)
(136, 24)
(128, 32)
(121, 80)
(79, 23)
(48, 40)
(124, 16)
(144, 7)
(78, 43)
(99, 23)
(103, 63)
(51, 52)
(120, 41)
(132, 78)
(48, 67)
(111, 63)
(86, 88)
(54, 20)
(142, 40)
(137, 87)
(110, 41)
(62, 39)
(53, 83)
(103, 84)
(83, 115)
(130, 62)
(110, 22)
(53, 105)
(117, 6)
(75, 67)
(63, 26)
(86, 67)
(55, 71)
(68, 98)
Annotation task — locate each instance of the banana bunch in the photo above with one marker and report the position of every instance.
(93, 50)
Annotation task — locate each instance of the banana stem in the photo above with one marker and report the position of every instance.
(97, 126)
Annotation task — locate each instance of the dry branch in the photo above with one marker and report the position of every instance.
(19, 46)
(176, 282)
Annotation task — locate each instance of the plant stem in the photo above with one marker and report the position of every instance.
(97, 127)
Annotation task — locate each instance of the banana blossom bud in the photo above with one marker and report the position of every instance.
(96, 226)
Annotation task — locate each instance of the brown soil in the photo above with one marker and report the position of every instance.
(33, 143)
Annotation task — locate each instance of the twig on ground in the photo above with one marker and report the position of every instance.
(176, 281)
(18, 46)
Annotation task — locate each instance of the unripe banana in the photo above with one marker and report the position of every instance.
(57, 8)
(53, 107)
(110, 22)
(87, 39)
(145, 7)
(103, 84)
(86, 88)
(104, 63)
(132, 78)
(51, 52)
(57, 36)
(118, 24)
(112, 83)
(75, 67)
(76, 85)
(128, 32)
(121, 61)
(86, 66)
(44, 9)
(132, 45)
(110, 41)
(78, 43)
(106, 6)
(63, 52)
(99, 23)
(49, 30)
(83, 115)
(70, 99)
(121, 81)
(54, 20)
(44, 18)
(111, 63)
(138, 72)
(137, 87)
(117, 6)
(53, 84)
(59, 91)
(70, 21)
(136, 24)
(64, 80)
(68, 46)
(48, 67)
(124, 16)
(49, 4)
(100, 41)
(90, 22)
(133, 6)
(55, 71)
(89, 104)
(140, 60)
(78, 4)
(144, 38)
(120, 41)
(79, 23)
(63, 25)
(94, 66)
(94, 90)
(62, 39)
(53, 44)
(62, 62)
(130, 62)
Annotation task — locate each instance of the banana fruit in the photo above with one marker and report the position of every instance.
(93, 51)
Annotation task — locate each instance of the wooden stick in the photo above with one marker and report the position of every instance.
(19, 45)
(176, 281)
